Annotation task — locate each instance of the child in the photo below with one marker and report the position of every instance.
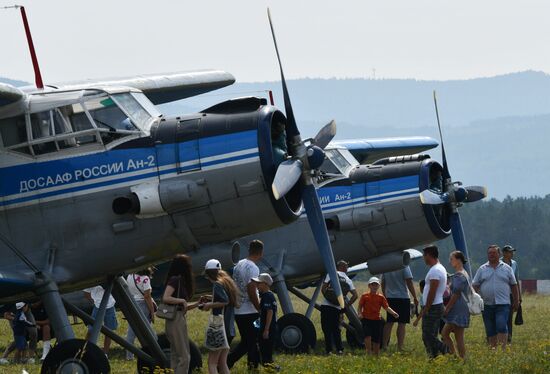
(20, 324)
(421, 284)
(369, 309)
(268, 319)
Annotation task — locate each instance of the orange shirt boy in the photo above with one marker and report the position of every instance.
(369, 308)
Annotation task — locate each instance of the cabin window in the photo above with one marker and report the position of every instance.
(14, 131)
(89, 117)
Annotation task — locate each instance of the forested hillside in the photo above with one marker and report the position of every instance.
(522, 222)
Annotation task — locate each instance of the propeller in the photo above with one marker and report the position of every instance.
(299, 168)
(453, 194)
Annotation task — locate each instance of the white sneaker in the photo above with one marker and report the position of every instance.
(4, 361)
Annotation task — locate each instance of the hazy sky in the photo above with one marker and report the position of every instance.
(421, 39)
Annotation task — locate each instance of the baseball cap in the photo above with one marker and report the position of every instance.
(213, 264)
(374, 280)
(508, 248)
(20, 305)
(264, 278)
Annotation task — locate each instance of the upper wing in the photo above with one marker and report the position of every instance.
(163, 88)
(9, 94)
(366, 151)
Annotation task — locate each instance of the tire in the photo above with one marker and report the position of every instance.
(352, 339)
(196, 357)
(76, 356)
(296, 333)
(149, 367)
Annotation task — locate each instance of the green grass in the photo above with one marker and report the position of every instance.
(530, 352)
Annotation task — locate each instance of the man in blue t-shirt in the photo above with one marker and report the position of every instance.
(268, 318)
(396, 286)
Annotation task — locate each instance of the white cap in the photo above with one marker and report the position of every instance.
(213, 265)
(20, 305)
(374, 280)
(264, 278)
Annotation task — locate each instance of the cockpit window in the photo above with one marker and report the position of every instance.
(62, 120)
(106, 114)
(338, 160)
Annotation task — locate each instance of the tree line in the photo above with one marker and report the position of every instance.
(523, 222)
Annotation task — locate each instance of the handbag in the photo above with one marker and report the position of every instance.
(216, 337)
(474, 300)
(168, 311)
(518, 321)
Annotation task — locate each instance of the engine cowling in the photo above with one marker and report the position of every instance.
(389, 262)
(215, 170)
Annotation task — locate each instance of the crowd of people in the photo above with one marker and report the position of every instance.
(245, 299)
(445, 303)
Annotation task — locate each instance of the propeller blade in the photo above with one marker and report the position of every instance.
(428, 197)
(319, 229)
(446, 174)
(288, 173)
(291, 127)
(325, 135)
(475, 193)
(459, 238)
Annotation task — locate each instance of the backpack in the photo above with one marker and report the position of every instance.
(474, 300)
(329, 293)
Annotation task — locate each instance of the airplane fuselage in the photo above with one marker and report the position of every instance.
(195, 180)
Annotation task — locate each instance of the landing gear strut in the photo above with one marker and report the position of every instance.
(296, 331)
(78, 356)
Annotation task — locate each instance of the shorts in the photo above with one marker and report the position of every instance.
(109, 321)
(495, 319)
(373, 328)
(20, 342)
(402, 307)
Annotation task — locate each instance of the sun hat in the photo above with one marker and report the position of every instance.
(264, 278)
(374, 280)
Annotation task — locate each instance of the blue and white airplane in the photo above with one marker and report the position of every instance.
(95, 181)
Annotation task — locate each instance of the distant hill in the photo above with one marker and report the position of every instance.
(15, 83)
(496, 129)
(402, 102)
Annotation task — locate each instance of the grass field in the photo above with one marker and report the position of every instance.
(530, 352)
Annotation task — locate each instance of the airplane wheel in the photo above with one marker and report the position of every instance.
(196, 357)
(148, 367)
(296, 333)
(75, 356)
(352, 339)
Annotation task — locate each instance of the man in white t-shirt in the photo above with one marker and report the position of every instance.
(432, 298)
(249, 306)
(95, 294)
(331, 313)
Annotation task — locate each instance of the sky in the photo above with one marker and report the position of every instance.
(421, 39)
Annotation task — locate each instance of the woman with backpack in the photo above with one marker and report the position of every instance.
(457, 314)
